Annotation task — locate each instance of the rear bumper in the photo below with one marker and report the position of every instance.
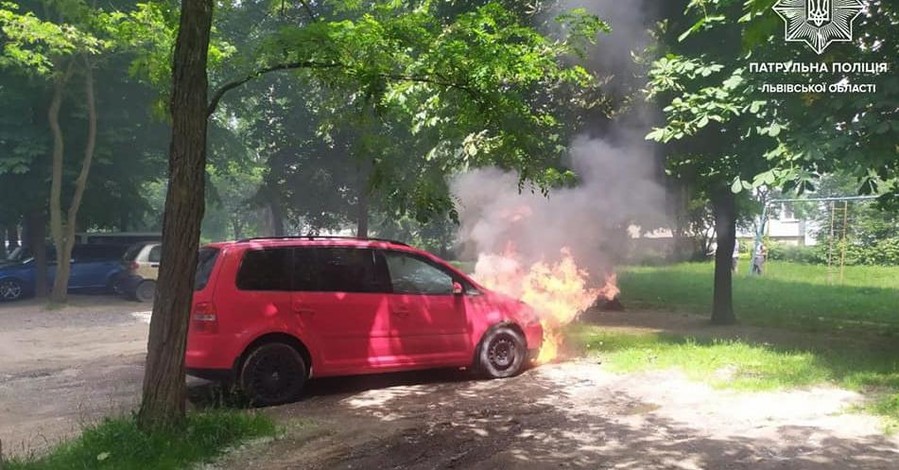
(208, 352)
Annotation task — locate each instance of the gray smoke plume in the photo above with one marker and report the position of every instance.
(618, 177)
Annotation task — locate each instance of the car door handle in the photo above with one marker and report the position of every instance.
(400, 312)
(299, 309)
(154, 265)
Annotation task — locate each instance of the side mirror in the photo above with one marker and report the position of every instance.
(457, 289)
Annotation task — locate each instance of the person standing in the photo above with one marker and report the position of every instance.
(758, 261)
(736, 256)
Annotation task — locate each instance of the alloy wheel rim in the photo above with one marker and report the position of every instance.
(10, 290)
(274, 377)
(502, 352)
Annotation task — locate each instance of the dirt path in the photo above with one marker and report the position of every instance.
(63, 368)
(573, 414)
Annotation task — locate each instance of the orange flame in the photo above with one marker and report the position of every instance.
(558, 291)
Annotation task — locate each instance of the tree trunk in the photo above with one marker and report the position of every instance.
(237, 226)
(364, 203)
(277, 215)
(724, 205)
(164, 388)
(56, 223)
(362, 214)
(65, 244)
(36, 236)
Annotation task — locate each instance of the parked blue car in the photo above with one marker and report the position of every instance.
(95, 268)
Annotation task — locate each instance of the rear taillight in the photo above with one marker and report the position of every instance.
(134, 266)
(203, 318)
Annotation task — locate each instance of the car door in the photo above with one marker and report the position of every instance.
(91, 266)
(340, 299)
(428, 318)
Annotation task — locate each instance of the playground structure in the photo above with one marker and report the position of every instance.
(839, 222)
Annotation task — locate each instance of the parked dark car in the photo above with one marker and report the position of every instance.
(94, 269)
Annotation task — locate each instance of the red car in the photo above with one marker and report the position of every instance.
(271, 313)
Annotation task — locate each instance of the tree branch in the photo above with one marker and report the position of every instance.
(309, 10)
(433, 81)
(217, 96)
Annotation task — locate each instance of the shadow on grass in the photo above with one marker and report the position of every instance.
(749, 358)
(771, 301)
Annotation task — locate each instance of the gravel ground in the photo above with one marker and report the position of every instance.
(63, 368)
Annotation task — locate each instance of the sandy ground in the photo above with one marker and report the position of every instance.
(63, 368)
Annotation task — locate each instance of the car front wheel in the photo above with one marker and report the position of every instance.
(502, 353)
(11, 289)
(273, 374)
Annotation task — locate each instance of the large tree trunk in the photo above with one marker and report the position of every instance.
(164, 389)
(65, 244)
(56, 223)
(724, 204)
(36, 240)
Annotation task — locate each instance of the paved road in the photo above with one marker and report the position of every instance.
(63, 368)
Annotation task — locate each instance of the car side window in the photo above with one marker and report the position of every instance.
(265, 270)
(305, 270)
(412, 275)
(155, 254)
(348, 270)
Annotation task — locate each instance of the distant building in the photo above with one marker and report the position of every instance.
(785, 227)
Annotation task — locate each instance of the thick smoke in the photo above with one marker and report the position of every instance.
(617, 173)
(616, 186)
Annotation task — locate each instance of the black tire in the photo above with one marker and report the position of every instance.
(502, 353)
(11, 289)
(273, 374)
(145, 291)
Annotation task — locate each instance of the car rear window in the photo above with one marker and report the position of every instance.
(265, 270)
(132, 252)
(155, 254)
(205, 263)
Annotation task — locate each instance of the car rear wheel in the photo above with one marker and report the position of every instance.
(273, 374)
(145, 291)
(11, 289)
(502, 353)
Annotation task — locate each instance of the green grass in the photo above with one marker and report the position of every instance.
(118, 444)
(789, 294)
(742, 365)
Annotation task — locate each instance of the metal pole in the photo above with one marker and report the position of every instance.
(843, 239)
(759, 234)
(833, 214)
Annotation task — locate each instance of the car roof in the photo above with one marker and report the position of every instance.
(315, 241)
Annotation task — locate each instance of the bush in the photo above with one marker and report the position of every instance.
(884, 252)
(797, 254)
